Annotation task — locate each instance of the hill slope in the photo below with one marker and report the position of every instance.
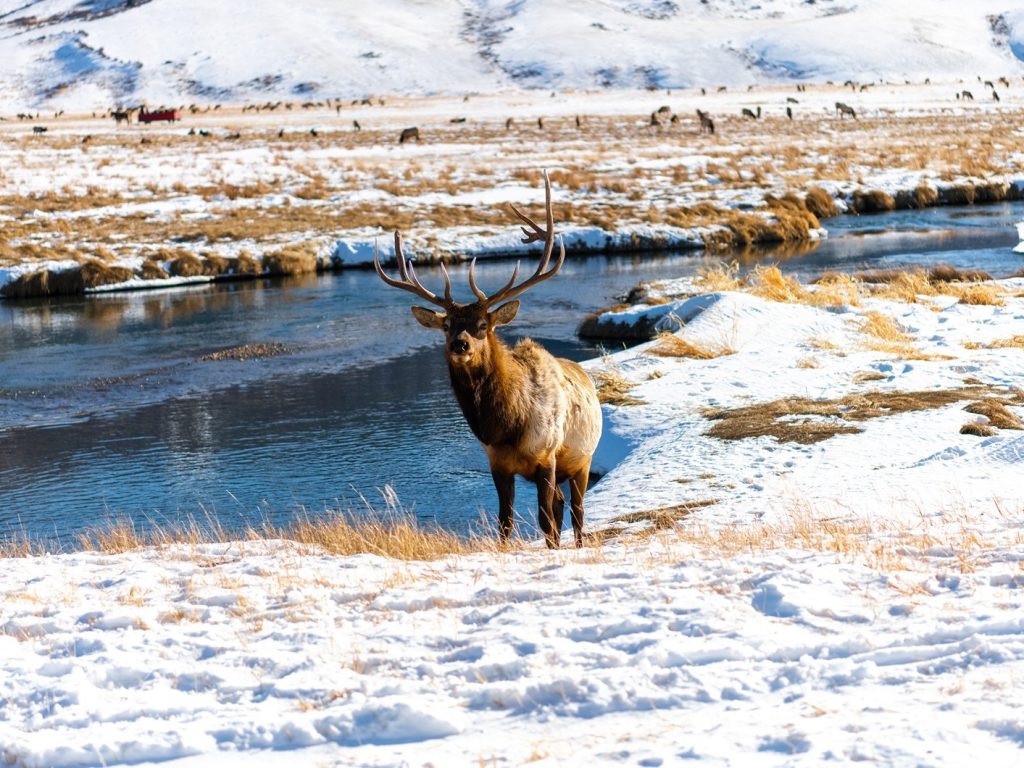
(95, 53)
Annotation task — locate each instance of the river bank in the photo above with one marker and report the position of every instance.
(242, 194)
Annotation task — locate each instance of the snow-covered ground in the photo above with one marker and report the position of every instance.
(83, 55)
(855, 599)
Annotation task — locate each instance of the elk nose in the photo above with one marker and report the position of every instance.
(459, 346)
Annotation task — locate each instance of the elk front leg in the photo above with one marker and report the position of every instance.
(578, 488)
(546, 490)
(506, 487)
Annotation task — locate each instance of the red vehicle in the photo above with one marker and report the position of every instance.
(166, 115)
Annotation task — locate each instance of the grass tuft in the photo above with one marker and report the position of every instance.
(978, 429)
(673, 345)
(819, 202)
(996, 412)
(613, 388)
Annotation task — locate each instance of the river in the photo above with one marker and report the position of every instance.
(107, 410)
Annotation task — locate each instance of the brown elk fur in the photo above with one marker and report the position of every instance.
(536, 415)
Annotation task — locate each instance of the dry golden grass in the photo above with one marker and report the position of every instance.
(1012, 342)
(391, 534)
(978, 429)
(613, 388)
(910, 285)
(883, 327)
(883, 545)
(720, 277)
(996, 412)
(802, 420)
(768, 282)
(399, 538)
(673, 345)
(872, 201)
(887, 336)
(19, 545)
(819, 202)
(977, 294)
(297, 259)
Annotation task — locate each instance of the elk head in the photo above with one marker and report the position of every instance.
(468, 328)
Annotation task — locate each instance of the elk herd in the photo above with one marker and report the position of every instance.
(660, 119)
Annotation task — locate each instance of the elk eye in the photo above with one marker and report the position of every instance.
(445, 326)
(481, 328)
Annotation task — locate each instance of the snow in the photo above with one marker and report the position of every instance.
(64, 54)
(855, 599)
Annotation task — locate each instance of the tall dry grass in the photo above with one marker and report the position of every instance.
(389, 532)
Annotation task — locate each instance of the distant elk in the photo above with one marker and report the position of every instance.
(408, 134)
(122, 116)
(995, 96)
(845, 109)
(536, 415)
(751, 115)
(965, 95)
(1005, 82)
(990, 85)
(39, 129)
(356, 126)
(707, 125)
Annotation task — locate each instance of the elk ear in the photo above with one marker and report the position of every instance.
(504, 314)
(427, 318)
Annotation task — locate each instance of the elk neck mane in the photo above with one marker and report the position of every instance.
(495, 395)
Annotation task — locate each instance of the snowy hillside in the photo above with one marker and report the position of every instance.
(84, 54)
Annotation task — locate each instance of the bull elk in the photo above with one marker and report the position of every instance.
(536, 415)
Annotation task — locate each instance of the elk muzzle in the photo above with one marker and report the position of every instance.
(459, 346)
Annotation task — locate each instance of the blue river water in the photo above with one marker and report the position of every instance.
(108, 411)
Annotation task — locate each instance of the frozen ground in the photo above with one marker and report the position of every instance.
(856, 599)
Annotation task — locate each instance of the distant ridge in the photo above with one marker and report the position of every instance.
(85, 54)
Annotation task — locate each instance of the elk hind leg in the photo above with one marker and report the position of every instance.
(578, 488)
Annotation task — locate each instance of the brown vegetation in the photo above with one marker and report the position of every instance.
(996, 412)
(872, 201)
(613, 388)
(819, 202)
(391, 534)
(823, 419)
(299, 259)
(978, 429)
(673, 345)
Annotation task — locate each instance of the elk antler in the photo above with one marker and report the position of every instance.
(409, 281)
(510, 290)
